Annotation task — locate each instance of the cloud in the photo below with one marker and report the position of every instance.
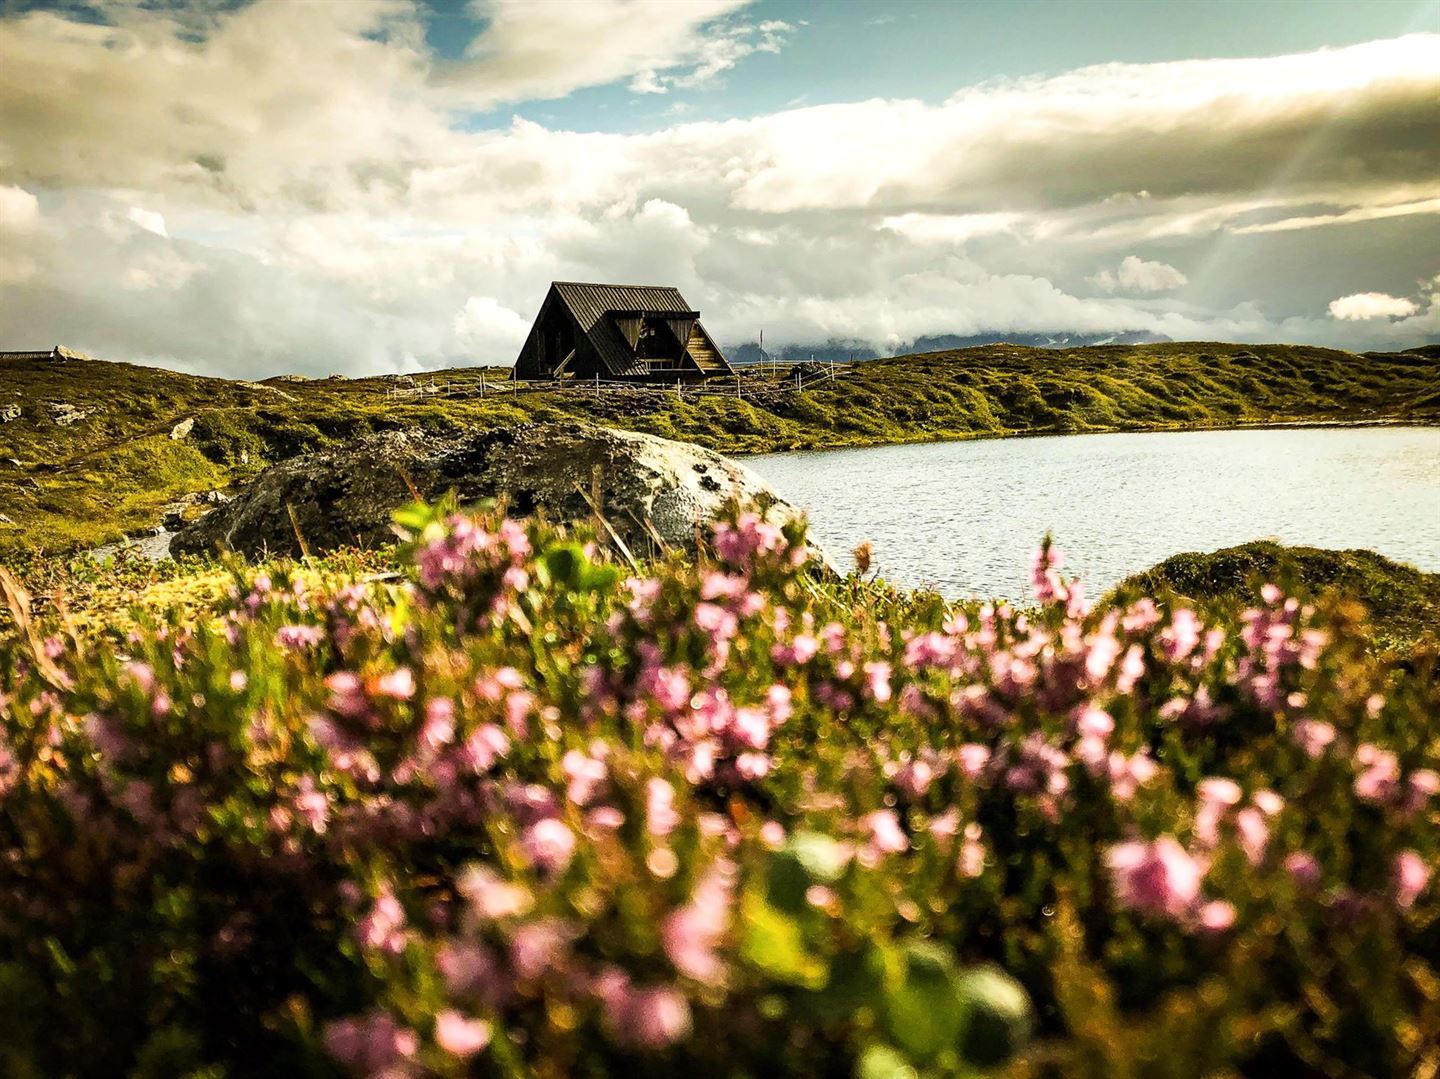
(19, 209)
(489, 328)
(1368, 305)
(323, 206)
(148, 220)
(539, 49)
(1137, 275)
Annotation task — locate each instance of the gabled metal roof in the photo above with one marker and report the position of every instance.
(591, 303)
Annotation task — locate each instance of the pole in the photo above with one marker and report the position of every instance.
(482, 383)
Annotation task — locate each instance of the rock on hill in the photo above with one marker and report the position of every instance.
(653, 491)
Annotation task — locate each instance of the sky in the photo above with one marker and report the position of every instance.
(252, 187)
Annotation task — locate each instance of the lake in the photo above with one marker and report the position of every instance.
(965, 517)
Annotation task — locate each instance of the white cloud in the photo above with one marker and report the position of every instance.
(949, 228)
(537, 49)
(326, 209)
(1367, 305)
(148, 220)
(1137, 275)
(19, 210)
(490, 329)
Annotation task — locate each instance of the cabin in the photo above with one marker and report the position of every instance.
(58, 354)
(618, 333)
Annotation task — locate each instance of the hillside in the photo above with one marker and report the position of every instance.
(64, 485)
(1401, 603)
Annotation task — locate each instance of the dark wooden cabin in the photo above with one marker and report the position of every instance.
(623, 333)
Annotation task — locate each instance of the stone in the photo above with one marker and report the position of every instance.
(9, 412)
(347, 495)
(64, 413)
(183, 428)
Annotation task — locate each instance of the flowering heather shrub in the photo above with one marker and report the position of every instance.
(518, 812)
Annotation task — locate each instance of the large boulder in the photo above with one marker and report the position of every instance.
(346, 496)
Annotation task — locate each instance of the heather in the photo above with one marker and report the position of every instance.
(517, 808)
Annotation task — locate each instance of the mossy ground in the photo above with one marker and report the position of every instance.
(109, 474)
(1401, 603)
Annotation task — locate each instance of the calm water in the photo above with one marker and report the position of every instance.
(965, 516)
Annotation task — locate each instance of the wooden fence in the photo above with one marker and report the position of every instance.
(754, 382)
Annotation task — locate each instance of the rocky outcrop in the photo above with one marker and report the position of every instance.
(63, 413)
(648, 487)
(183, 428)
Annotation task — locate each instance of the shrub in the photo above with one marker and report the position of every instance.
(518, 811)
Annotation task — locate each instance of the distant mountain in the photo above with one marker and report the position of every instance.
(833, 349)
(837, 349)
(941, 342)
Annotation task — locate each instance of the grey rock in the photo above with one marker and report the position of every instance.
(9, 412)
(347, 495)
(64, 413)
(183, 428)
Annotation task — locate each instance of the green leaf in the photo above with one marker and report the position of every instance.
(998, 1019)
(415, 517)
(925, 1014)
(808, 858)
(774, 945)
(856, 980)
(880, 1061)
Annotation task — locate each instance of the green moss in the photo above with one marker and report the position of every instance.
(1401, 603)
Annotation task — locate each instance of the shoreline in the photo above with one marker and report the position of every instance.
(984, 436)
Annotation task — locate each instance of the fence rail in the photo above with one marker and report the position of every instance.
(757, 381)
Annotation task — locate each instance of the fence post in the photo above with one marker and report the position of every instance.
(482, 383)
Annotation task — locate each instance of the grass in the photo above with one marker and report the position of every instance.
(1401, 603)
(112, 472)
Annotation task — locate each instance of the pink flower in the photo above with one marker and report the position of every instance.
(438, 730)
(877, 681)
(1424, 784)
(549, 845)
(299, 637)
(536, 946)
(1217, 916)
(584, 776)
(381, 929)
(915, 777)
(1182, 635)
(1303, 868)
(398, 684)
(800, 651)
(1410, 877)
(648, 1018)
(1159, 877)
(461, 1037)
(1254, 833)
(886, 835)
(973, 758)
(661, 817)
(1092, 722)
(1379, 779)
(485, 746)
(370, 1044)
(490, 897)
(1219, 791)
(1312, 736)
(468, 968)
(691, 934)
(972, 852)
